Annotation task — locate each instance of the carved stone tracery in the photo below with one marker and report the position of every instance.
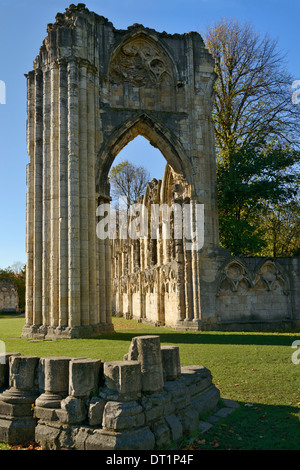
(140, 62)
(266, 276)
(252, 294)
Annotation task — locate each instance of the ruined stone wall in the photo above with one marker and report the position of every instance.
(152, 279)
(92, 90)
(9, 298)
(145, 401)
(254, 293)
(152, 275)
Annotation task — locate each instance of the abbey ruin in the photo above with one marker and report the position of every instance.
(145, 401)
(92, 90)
(9, 298)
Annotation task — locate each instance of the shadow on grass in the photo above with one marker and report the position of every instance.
(254, 426)
(171, 336)
(125, 330)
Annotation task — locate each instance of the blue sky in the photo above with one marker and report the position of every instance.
(22, 30)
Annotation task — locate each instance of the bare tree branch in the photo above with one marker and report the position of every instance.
(128, 181)
(253, 89)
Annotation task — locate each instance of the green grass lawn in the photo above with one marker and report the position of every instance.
(255, 369)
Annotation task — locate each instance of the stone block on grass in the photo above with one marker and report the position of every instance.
(123, 377)
(146, 350)
(55, 373)
(95, 413)
(119, 416)
(73, 411)
(84, 377)
(170, 362)
(4, 369)
(137, 439)
(175, 427)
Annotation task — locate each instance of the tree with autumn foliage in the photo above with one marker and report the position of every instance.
(257, 130)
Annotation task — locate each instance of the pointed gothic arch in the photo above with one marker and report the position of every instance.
(151, 129)
(94, 88)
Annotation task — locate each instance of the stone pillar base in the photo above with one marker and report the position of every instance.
(17, 423)
(17, 430)
(66, 332)
(15, 396)
(33, 331)
(52, 436)
(49, 400)
(194, 324)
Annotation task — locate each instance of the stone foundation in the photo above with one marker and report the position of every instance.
(53, 333)
(143, 402)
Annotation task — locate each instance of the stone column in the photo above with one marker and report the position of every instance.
(17, 424)
(91, 155)
(85, 376)
(54, 196)
(30, 200)
(4, 369)
(105, 275)
(108, 273)
(123, 379)
(63, 304)
(74, 300)
(29, 249)
(179, 258)
(21, 379)
(171, 362)
(146, 350)
(83, 194)
(195, 266)
(187, 273)
(102, 273)
(37, 221)
(56, 381)
(46, 196)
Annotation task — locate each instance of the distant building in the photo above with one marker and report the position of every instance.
(9, 298)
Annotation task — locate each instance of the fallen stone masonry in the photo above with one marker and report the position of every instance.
(143, 402)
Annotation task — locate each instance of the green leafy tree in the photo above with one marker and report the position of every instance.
(250, 182)
(257, 129)
(282, 229)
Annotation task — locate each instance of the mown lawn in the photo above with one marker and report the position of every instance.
(255, 369)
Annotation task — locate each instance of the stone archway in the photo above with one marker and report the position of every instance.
(94, 88)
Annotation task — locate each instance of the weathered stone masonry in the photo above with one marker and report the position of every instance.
(92, 90)
(151, 279)
(9, 298)
(145, 401)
